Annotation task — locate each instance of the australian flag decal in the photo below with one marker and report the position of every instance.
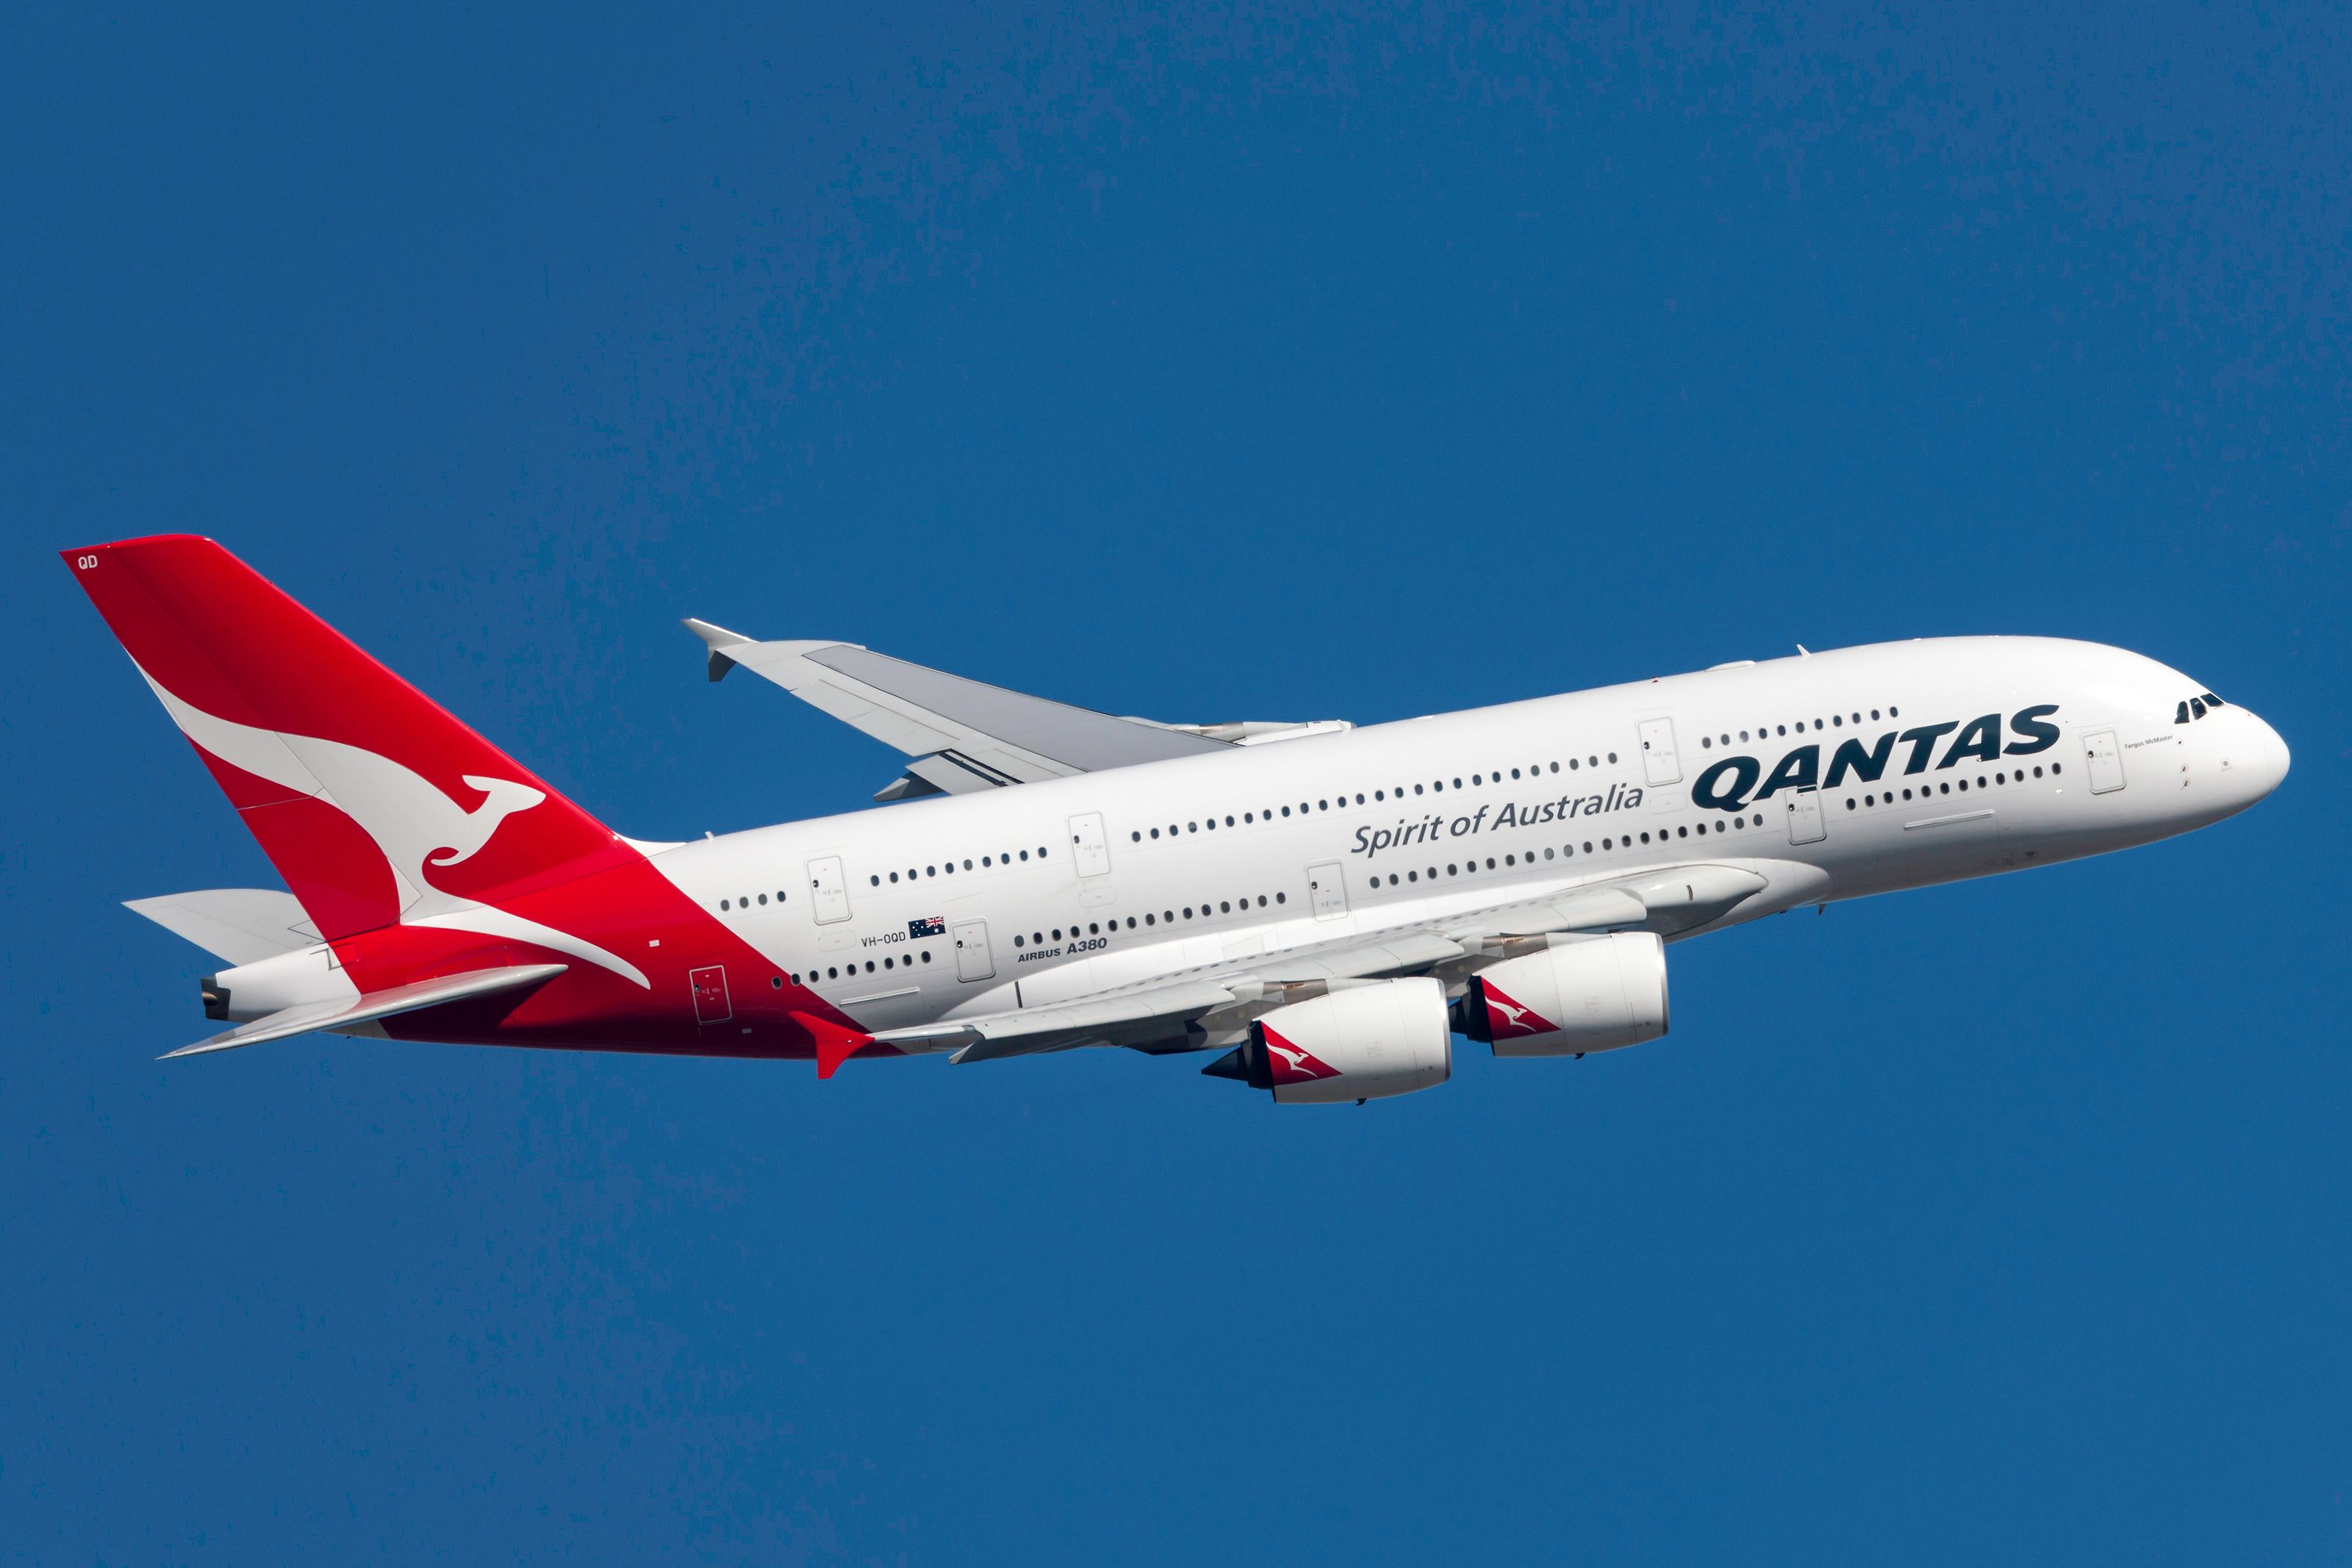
(935, 926)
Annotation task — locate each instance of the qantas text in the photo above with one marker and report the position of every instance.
(1726, 785)
(1736, 783)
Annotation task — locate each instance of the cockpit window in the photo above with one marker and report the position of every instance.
(2181, 715)
(2196, 706)
(2211, 701)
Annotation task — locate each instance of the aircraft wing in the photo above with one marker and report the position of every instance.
(1213, 1004)
(967, 735)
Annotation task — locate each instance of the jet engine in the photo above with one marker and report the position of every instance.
(1363, 1042)
(1593, 993)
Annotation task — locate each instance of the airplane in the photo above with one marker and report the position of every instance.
(1327, 905)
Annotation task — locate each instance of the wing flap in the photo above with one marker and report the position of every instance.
(375, 1005)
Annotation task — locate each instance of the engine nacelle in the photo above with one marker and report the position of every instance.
(1594, 994)
(1359, 1044)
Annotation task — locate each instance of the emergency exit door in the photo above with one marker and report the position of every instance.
(1327, 892)
(1659, 763)
(708, 984)
(828, 895)
(1805, 824)
(2104, 761)
(973, 960)
(1088, 845)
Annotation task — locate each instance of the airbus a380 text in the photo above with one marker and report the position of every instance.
(1323, 905)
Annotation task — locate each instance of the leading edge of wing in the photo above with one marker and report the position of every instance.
(927, 713)
(1697, 892)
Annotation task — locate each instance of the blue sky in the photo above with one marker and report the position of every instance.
(1242, 364)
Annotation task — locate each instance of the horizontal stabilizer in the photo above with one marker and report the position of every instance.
(382, 1004)
(242, 924)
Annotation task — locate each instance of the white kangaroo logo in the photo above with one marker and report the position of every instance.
(1513, 1011)
(411, 820)
(1294, 1059)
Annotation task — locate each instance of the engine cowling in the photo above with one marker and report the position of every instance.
(1594, 994)
(1360, 1044)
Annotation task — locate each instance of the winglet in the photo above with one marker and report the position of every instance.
(716, 638)
(834, 1044)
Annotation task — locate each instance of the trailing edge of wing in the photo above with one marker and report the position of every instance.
(375, 1005)
(1069, 1023)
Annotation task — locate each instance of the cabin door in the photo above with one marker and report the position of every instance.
(1659, 763)
(1805, 823)
(973, 960)
(2106, 763)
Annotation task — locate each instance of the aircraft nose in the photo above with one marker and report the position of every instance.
(2265, 764)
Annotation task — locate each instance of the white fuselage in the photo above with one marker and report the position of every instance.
(980, 904)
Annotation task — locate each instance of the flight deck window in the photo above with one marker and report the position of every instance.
(2210, 700)
(2181, 714)
(2196, 706)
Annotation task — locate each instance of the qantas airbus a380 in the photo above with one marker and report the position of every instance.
(1326, 905)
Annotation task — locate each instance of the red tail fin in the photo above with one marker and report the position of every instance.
(370, 800)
